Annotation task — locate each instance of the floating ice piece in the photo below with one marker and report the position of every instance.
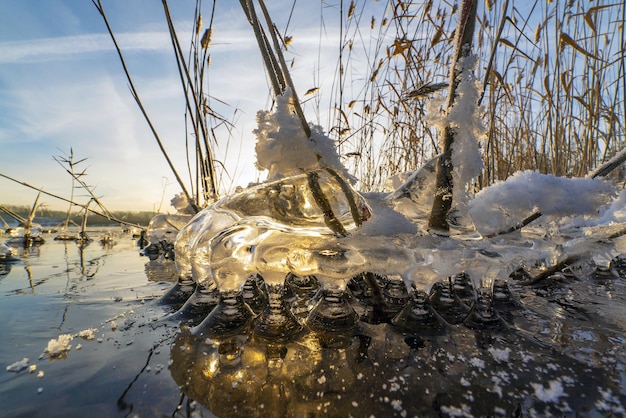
(21, 236)
(18, 366)
(60, 346)
(6, 254)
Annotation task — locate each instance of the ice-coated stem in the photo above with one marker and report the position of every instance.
(442, 202)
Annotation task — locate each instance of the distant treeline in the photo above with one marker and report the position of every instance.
(47, 216)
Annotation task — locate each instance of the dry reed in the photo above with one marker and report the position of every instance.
(554, 102)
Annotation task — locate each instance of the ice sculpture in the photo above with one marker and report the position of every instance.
(305, 249)
(289, 226)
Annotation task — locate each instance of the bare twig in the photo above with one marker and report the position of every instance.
(108, 216)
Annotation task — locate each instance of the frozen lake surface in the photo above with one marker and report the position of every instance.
(561, 350)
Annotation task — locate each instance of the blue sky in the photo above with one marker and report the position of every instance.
(62, 87)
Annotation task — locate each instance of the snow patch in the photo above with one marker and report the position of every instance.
(500, 355)
(549, 394)
(610, 403)
(453, 411)
(283, 148)
(506, 203)
(478, 363)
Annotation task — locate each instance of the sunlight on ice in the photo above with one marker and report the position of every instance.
(308, 221)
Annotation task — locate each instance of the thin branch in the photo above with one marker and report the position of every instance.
(285, 70)
(185, 71)
(109, 216)
(98, 5)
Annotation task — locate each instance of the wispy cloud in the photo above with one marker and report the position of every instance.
(73, 47)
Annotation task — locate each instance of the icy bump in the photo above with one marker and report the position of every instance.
(222, 238)
(207, 223)
(165, 227)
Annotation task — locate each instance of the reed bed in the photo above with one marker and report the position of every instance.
(552, 76)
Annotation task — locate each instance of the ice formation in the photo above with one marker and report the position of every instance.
(306, 227)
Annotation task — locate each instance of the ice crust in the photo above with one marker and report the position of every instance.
(165, 227)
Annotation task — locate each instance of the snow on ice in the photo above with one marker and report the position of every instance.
(59, 346)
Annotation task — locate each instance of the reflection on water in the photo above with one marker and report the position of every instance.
(5, 268)
(554, 352)
(378, 371)
(161, 269)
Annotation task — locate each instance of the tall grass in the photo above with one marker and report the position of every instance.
(553, 101)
